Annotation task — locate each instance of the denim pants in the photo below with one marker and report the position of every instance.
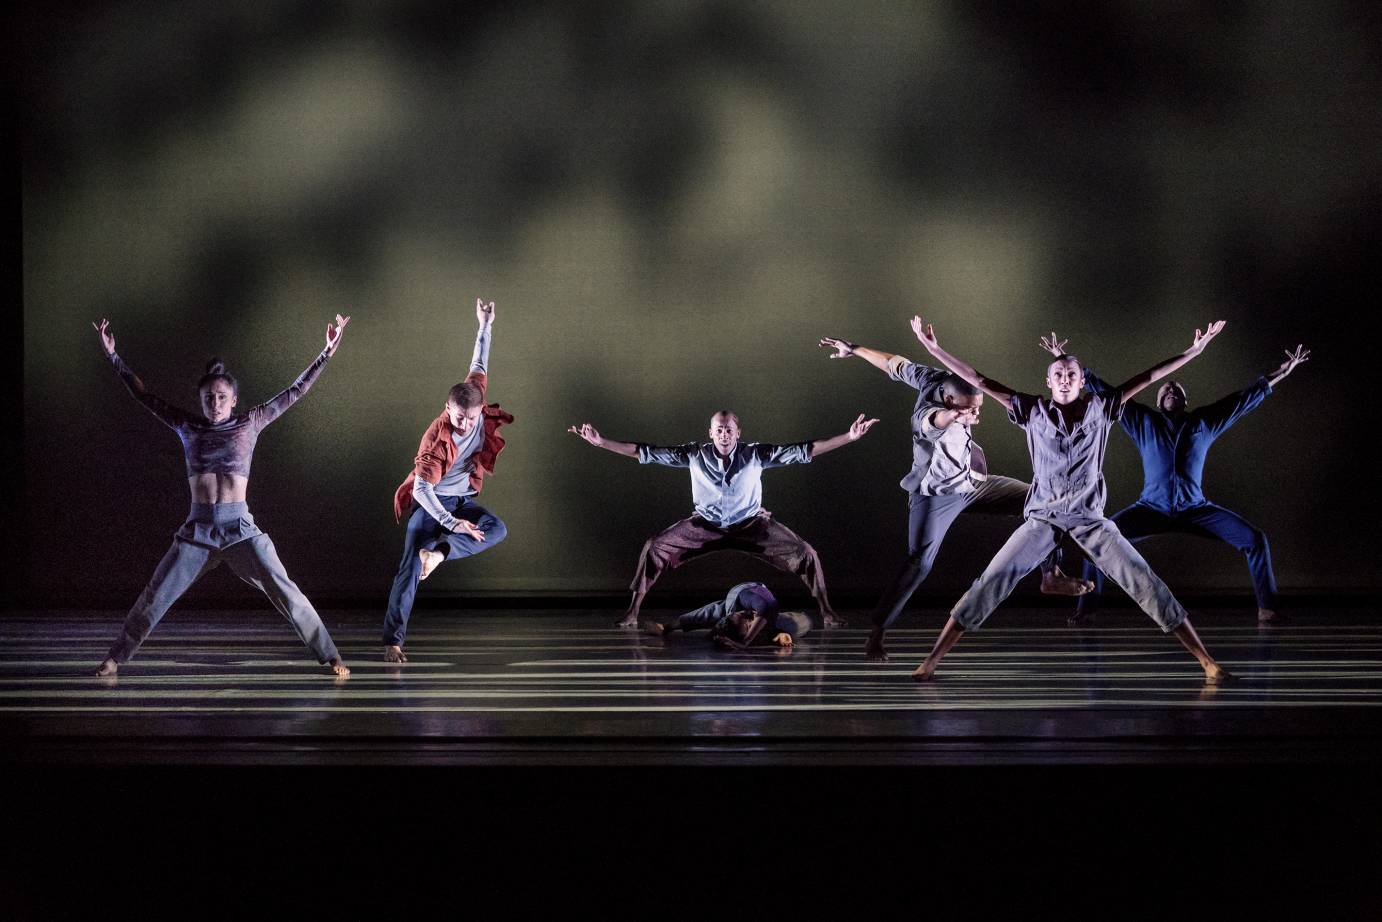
(1099, 539)
(1139, 522)
(215, 533)
(928, 520)
(427, 534)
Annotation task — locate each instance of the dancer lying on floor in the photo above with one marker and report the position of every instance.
(744, 618)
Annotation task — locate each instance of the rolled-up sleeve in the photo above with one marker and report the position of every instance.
(921, 377)
(778, 455)
(667, 455)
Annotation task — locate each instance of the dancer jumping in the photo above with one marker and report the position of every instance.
(1173, 442)
(218, 445)
(727, 490)
(948, 476)
(456, 452)
(1066, 435)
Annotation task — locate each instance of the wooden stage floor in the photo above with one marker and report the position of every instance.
(544, 687)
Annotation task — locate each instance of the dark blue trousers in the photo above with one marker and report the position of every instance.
(1139, 522)
(426, 534)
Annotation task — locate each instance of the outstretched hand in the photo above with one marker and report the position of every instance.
(843, 349)
(1202, 339)
(1293, 358)
(484, 311)
(107, 337)
(333, 334)
(925, 334)
(587, 432)
(1053, 345)
(859, 427)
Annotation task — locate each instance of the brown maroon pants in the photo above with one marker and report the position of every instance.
(760, 536)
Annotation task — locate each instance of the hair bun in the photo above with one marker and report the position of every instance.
(215, 366)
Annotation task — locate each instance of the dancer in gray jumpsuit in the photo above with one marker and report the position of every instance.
(218, 445)
(1066, 435)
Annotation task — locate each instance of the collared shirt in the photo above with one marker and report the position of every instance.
(1067, 464)
(942, 459)
(1173, 448)
(726, 491)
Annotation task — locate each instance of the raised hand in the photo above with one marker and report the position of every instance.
(843, 349)
(587, 432)
(925, 334)
(1301, 354)
(484, 311)
(107, 337)
(859, 427)
(333, 334)
(1202, 339)
(1053, 345)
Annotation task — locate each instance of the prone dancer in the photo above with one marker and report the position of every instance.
(747, 616)
(948, 476)
(444, 522)
(1173, 442)
(727, 490)
(218, 445)
(1067, 434)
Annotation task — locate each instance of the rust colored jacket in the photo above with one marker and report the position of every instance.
(437, 450)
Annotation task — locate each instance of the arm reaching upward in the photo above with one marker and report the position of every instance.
(855, 433)
(592, 435)
(484, 314)
(166, 413)
(1136, 383)
(927, 337)
(1301, 354)
(273, 408)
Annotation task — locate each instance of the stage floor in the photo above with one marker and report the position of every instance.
(546, 687)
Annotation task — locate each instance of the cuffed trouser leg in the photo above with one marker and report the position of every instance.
(182, 566)
(1116, 556)
(256, 562)
(1021, 554)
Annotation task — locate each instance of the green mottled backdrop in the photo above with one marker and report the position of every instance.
(671, 202)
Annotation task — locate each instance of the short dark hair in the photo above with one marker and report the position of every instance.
(730, 413)
(1066, 357)
(954, 386)
(216, 371)
(466, 395)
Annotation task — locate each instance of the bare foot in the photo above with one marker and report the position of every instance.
(394, 654)
(338, 667)
(654, 628)
(1080, 619)
(925, 672)
(430, 559)
(874, 648)
(1214, 674)
(1057, 583)
(109, 668)
(1264, 615)
(833, 620)
(629, 621)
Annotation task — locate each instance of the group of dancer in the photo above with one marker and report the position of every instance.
(1067, 433)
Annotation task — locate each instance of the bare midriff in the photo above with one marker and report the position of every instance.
(218, 488)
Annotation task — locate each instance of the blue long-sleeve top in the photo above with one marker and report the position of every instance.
(1173, 448)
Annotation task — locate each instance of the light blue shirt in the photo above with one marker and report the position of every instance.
(726, 491)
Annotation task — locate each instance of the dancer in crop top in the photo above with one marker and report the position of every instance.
(219, 444)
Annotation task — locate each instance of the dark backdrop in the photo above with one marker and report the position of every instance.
(671, 202)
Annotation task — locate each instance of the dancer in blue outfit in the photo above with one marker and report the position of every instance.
(1174, 441)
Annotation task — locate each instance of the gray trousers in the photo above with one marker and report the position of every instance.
(253, 559)
(1100, 539)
